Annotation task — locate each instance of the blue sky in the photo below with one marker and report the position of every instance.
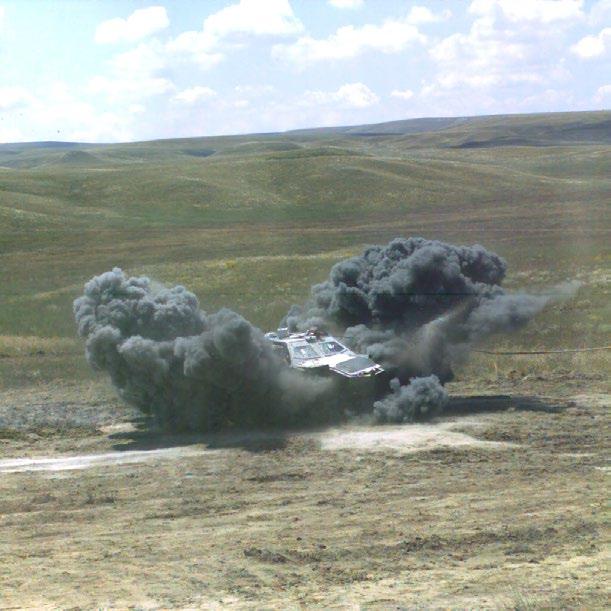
(120, 70)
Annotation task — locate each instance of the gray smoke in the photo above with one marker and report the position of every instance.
(423, 398)
(187, 369)
(415, 306)
(401, 285)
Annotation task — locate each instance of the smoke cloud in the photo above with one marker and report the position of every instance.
(415, 306)
(190, 370)
(423, 398)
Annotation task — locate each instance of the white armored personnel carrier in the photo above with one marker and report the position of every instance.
(317, 352)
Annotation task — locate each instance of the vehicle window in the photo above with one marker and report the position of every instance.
(304, 352)
(332, 347)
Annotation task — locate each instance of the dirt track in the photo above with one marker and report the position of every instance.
(319, 519)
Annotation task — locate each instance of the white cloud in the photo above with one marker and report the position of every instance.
(136, 109)
(143, 71)
(14, 97)
(392, 36)
(142, 60)
(543, 11)
(58, 112)
(92, 126)
(140, 24)
(422, 14)
(351, 95)
(246, 18)
(478, 57)
(548, 98)
(192, 95)
(271, 17)
(116, 89)
(254, 90)
(406, 94)
(346, 4)
(600, 13)
(593, 46)
(603, 94)
(197, 47)
(135, 74)
(509, 44)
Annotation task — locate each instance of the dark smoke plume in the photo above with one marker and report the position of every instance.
(190, 370)
(415, 306)
(423, 398)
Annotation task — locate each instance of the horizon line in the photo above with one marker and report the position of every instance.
(309, 129)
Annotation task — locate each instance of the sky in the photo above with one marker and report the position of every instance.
(125, 70)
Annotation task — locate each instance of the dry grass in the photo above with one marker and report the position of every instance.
(287, 524)
(19, 346)
(559, 367)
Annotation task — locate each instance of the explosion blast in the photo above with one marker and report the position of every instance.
(415, 306)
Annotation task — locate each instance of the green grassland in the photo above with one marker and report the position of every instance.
(250, 222)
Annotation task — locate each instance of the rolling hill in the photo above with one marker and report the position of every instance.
(251, 221)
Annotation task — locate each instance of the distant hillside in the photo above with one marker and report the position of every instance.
(44, 145)
(542, 129)
(390, 128)
(31, 154)
(391, 139)
(79, 158)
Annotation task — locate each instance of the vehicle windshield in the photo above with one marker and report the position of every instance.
(356, 364)
(304, 352)
(331, 347)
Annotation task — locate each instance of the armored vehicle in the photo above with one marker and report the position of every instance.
(314, 350)
(317, 353)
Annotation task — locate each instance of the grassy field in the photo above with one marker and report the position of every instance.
(250, 222)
